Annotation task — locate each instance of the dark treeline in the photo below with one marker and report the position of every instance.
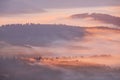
(39, 34)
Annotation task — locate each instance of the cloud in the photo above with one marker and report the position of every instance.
(105, 18)
(9, 7)
(73, 3)
(30, 6)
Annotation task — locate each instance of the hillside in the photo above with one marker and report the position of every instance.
(39, 34)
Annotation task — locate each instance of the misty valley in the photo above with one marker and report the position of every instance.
(59, 52)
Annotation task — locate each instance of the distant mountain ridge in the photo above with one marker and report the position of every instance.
(43, 34)
(39, 34)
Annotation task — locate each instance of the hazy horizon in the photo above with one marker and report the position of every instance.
(59, 39)
(56, 11)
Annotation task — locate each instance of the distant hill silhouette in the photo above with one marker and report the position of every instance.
(39, 34)
(106, 18)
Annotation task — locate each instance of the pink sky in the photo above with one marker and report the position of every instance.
(60, 16)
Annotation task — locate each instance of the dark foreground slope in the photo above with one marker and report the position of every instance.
(15, 69)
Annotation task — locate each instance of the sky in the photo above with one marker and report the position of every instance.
(56, 11)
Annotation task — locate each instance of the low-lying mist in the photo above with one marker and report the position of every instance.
(93, 45)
